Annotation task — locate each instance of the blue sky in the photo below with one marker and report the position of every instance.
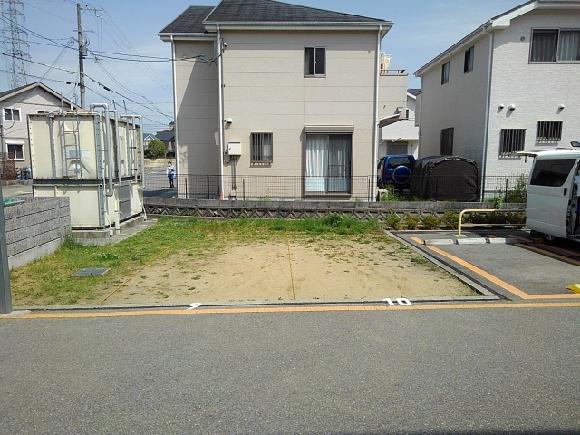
(422, 29)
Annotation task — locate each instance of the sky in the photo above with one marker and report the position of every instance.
(422, 29)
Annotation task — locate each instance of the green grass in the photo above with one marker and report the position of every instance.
(49, 281)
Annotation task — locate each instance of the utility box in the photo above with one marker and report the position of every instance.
(95, 158)
(234, 149)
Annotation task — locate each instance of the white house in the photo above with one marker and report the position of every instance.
(402, 136)
(280, 100)
(16, 104)
(512, 84)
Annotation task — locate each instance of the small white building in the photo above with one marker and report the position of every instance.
(512, 84)
(402, 136)
(16, 104)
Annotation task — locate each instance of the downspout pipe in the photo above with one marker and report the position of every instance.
(117, 147)
(174, 74)
(221, 111)
(487, 113)
(376, 115)
(108, 141)
(142, 150)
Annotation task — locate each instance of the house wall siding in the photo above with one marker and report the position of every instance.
(28, 102)
(196, 85)
(265, 90)
(535, 89)
(459, 103)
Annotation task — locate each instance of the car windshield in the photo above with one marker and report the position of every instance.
(398, 161)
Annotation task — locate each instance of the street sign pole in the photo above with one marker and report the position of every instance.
(5, 292)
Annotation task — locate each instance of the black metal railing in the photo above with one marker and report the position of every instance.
(508, 189)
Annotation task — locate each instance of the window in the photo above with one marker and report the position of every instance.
(11, 114)
(314, 61)
(15, 151)
(446, 142)
(262, 148)
(510, 141)
(551, 173)
(445, 72)
(549, 131)
(555, 45)
(328, 163)
(569, 46)
(468, 61)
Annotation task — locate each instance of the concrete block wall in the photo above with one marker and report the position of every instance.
(36, 228)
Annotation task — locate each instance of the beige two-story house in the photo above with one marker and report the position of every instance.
(513, 84)
(16, 104)
(274, 100)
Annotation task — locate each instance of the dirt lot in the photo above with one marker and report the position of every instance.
(287, 269)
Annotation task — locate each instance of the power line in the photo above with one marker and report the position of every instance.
(106, 88)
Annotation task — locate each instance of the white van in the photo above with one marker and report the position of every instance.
(553, 208)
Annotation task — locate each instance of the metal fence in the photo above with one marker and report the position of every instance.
(510, 188)
(7, 167)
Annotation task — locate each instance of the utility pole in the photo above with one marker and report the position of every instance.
(82, 53)
(5, 292)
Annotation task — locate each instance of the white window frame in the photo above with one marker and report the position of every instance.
(316, 47)
(16, 143)
(261, 162)
(558, 29)
(448, 63)
(470, 65)
(12, 109)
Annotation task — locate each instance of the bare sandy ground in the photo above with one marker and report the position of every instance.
(287, 270)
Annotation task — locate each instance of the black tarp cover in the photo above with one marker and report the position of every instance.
(446, 178)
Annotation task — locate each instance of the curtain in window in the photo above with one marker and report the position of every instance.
(569, 47)
(339, 163)
(316, 162)
(544, 46)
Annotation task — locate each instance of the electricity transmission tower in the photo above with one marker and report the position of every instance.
(13, 41)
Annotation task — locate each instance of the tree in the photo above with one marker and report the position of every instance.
(156, 149)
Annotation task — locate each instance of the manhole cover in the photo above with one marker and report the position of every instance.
(92, 271)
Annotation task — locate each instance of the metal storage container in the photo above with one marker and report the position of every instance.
(95, 158)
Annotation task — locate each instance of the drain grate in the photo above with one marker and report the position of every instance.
(92, 271)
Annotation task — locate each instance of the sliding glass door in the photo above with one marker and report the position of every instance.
(328, 163)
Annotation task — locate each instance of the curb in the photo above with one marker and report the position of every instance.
(483, 291)
(417, 300)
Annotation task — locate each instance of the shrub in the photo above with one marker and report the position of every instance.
(519, 192)
(430, 221)
(451, 219)
(411, 221)
(393, 221)
(156, 149)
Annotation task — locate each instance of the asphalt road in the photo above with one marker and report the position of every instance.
(482, 370)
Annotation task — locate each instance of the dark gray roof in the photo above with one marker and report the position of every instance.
(194, 18)
(270, 11)
(166, 135)
(414, 92)
(190, 21)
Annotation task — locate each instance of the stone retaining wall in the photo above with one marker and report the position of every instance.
(209, 208)
(36, 228)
